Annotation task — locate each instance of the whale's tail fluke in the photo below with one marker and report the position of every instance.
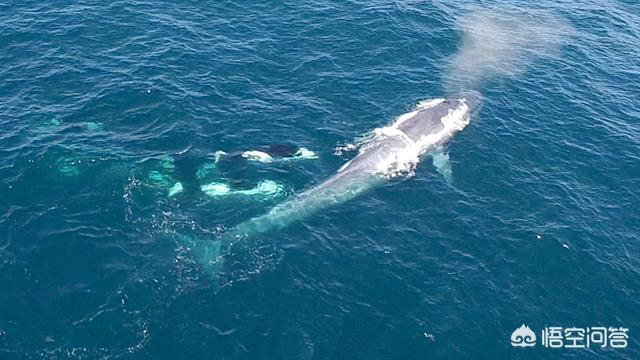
(207, 252)
(210, 253)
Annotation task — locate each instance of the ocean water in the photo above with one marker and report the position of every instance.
(105, 106)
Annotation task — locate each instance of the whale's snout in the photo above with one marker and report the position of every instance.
(455, 103)
(462, 106)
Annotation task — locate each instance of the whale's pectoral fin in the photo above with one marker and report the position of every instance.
(176, 189)
(208, 253)
(442, 164)
(219, 154)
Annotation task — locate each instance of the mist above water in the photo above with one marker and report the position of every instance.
(503, 43)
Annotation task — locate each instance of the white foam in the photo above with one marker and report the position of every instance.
(453, 122)
(255, 155)
(215, 189)
(404, 160)
(341, 149)
(424, 104)
(265, 188)
(304, 153)
(301, 154)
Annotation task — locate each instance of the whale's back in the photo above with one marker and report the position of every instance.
(427, 121)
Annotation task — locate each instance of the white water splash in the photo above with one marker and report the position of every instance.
(403, 162)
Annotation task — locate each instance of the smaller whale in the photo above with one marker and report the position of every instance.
(273, 154)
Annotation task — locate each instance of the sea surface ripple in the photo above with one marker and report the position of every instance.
(541, 225)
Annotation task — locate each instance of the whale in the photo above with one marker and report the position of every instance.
(388, 152)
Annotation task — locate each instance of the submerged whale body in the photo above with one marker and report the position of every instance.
(389, 152)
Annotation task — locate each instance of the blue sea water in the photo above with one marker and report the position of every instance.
(539, 227)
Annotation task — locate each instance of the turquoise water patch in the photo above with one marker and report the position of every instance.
(160, 179)
(205, 170)
(68, 166)
(167, 162)
(540, 226)
(94, 126)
